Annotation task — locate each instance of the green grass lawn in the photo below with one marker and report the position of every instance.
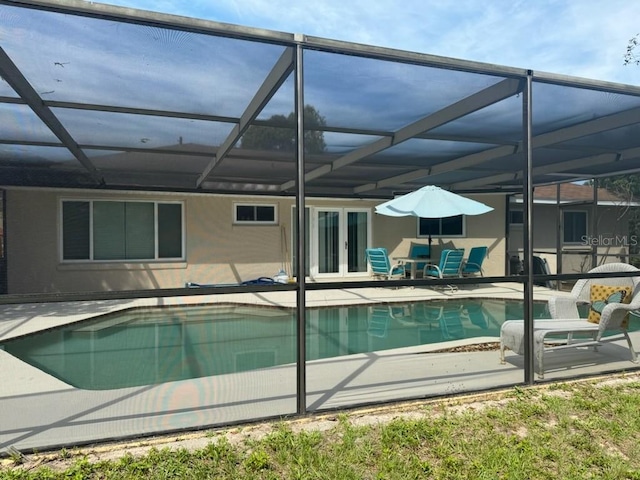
(580, 430)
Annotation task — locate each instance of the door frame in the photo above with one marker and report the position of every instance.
(342, 240)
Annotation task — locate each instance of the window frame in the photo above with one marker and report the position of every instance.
(91, 260)
(584, 234)
(255, 206)
(463, 234)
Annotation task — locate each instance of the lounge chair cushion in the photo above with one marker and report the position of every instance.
(601, 295)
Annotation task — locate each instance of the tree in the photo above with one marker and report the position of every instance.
(631, 58)
(282, 135)
(624, 186)
(627, 188)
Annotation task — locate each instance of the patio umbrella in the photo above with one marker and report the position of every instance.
(431, 202)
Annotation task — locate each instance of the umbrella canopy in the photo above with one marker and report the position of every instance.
(432, 202)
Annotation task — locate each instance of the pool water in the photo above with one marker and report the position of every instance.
(155, 345)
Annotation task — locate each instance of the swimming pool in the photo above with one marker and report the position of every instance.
(146, 346)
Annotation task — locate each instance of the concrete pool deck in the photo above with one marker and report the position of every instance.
(40, 412)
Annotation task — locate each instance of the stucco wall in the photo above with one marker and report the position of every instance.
(31, 241)
(216, 251)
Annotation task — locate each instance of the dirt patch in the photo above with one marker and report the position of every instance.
(476, 347)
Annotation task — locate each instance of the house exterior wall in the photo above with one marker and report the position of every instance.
(611, 240)
(216, 250)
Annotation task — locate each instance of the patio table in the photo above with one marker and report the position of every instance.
(412, 261)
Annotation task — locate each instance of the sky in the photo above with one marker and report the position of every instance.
(583, 38)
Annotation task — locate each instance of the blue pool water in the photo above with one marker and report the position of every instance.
(155, 345)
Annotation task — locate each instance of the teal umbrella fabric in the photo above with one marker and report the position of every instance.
(431, 201)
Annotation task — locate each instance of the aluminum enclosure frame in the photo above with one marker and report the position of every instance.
(392, 161)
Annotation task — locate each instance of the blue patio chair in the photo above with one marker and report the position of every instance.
(473, 264)
(449, 267)
(426, 313)
(378, 321)
(451, 323)
(477, 314)
(381, 267)
(418, 251)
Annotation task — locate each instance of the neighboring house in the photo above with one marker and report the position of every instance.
(580, 231)
(71, 240)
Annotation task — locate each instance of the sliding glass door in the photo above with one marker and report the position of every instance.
(339, 239)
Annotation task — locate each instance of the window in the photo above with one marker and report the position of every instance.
(260, 214)
(441, 227)
(574, 226)
(104, 230)
(516, 217)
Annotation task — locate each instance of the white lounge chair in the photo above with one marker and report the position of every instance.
(558, 332)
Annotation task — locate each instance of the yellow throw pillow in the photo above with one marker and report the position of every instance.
(602, 295)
